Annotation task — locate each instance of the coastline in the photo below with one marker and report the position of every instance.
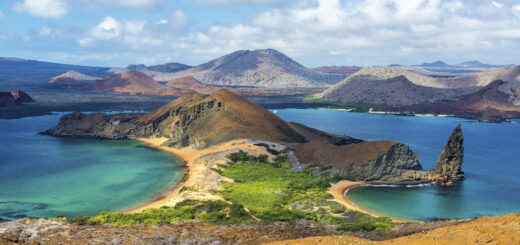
(162, 197)
(339, 190)
(198, 173)
(199, 176)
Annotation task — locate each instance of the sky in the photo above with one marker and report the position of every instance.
(313, 32)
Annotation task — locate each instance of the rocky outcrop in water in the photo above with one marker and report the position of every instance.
(449, 165)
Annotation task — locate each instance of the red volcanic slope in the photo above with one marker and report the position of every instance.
(127, 82)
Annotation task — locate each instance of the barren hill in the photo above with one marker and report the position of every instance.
(486, 230)
(76, 75)
(488, 101)
(127, 82)
(265, 68)
(397, 87)
(65, 81)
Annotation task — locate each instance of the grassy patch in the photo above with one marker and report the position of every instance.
(212, 212)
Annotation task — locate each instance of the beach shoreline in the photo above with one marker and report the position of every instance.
(197, 168)
(339, 191)
(175, 188)
(199, 176)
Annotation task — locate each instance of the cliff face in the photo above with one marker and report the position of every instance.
(449, 164)
(381, 161)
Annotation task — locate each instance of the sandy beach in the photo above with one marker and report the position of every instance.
(198, 170)
(200, 176)
(338, 189)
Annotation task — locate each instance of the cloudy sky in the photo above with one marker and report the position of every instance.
(315, 33)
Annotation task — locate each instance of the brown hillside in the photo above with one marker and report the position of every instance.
(185, 83)
(202, 121)
(488, 101)
(488, 230)
(127, 82)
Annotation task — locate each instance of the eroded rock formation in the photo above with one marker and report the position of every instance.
(449, 165)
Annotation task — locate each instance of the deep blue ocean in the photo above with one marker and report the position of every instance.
(491, 162)
(44, 176)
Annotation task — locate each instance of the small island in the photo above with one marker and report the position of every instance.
(212, 134)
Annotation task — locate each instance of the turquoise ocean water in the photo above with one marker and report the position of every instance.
(491, 163)
(43, 176)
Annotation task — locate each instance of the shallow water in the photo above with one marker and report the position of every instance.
(491, 163)
(44, 176)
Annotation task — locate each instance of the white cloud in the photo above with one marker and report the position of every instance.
(226, 2)
(108, 28)
(134, 34)
(42, 8)
(333, 32)
(497, 4)
(45, 31)
(2, 15)
(178, 19)
(146, 4)
(516, 10)
(162, 22)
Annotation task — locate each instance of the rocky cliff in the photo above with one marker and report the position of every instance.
(382, 161)
(200, 121)
(449, 164)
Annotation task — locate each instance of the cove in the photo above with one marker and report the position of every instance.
(44, 176)
(491, 163)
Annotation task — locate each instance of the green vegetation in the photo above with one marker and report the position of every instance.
(491, 119)
(272, 193)
(212, 212)
(357, 107)
(262, 191)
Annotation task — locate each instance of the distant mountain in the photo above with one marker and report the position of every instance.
(187, 85)
(14, 98)
(265, 68)
(392, 91)
(478, 64)
(392, 86)
(77, 76)
(487, 102)
(17, 73)
(65, 81)
(166, 68)
(127, 82)
(436, 64)
(188, 82)
(472, 63)
(346, 70)
(23, 65)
